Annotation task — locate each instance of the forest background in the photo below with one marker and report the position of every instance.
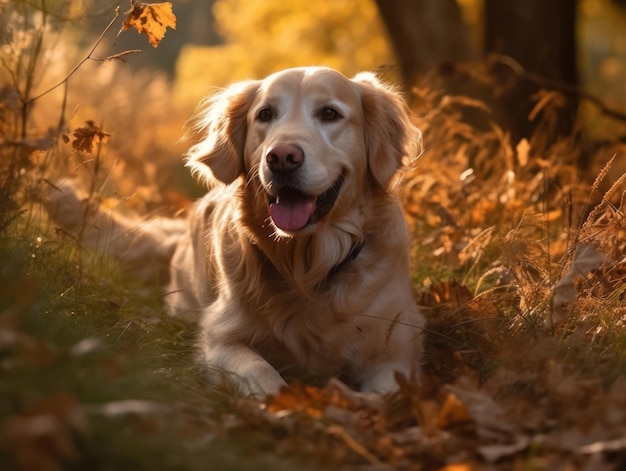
(516, 208)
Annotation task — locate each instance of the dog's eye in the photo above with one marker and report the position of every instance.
(329, 114)
(265, 114)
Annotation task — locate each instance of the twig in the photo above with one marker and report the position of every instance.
(537, 79)
(121, 56)
(85, 59)
(355, 446)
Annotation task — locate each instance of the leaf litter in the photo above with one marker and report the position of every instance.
(507, 236)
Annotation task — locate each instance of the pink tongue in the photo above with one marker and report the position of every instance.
(292, 211)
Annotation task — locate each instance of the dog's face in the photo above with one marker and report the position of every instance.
(309, 140)
(306, 138)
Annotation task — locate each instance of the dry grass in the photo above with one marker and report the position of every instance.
(518, 261)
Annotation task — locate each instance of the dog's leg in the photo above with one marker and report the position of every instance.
(252, 374)
(382, 378)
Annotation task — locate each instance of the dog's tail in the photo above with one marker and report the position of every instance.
(142, 247)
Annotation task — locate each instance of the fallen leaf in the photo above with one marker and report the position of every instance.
(353, 444)
(487, 415)
(126, 407)
(458, 467)
(452, 412)
(447, 292)
(587, 259)
(46, 437)
(610, 446)
(151, 19)
(298, 397)
(493, 453)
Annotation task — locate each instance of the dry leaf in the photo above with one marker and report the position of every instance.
(610, 446)
(488, 416)
(46, 437)
(447, 292)
(151, 19)
(84, 137)
(458, 467)
(452, 412)
(126, 407)
(497, 452)
(587, 258)
(523, 150)
(546, 98)
(297, 398)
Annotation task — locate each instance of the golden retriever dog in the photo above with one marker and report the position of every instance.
(298, 255)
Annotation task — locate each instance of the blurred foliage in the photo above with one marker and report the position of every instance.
(96, 376)
(263, 37)
(602, 61)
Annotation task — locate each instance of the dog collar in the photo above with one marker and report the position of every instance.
(354, 253)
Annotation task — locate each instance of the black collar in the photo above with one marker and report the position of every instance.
(355, 250)
(354, 253)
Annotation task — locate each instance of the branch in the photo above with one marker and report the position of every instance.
(121, 56)
(540, 81)
(85, 59)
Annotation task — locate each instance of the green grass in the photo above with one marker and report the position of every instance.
(76, 338)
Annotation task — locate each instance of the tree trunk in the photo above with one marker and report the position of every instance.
(425, 33)
(541, 36)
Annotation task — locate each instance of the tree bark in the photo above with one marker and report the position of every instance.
(539, 34)
(425, 33)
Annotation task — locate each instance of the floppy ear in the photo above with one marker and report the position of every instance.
(390, 136)
(221, 125)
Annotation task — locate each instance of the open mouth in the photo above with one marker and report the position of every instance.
(292, 210)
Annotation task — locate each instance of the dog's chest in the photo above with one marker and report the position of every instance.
(313, 332)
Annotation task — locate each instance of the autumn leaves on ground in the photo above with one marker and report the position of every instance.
(518, 262)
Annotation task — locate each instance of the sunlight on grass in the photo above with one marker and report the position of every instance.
(96, 375)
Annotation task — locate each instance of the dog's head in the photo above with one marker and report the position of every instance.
(308, 139)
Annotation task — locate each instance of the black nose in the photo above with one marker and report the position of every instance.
(284, 158)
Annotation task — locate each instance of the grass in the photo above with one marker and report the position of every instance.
(95, 375)
(114, 379)
(118, 376)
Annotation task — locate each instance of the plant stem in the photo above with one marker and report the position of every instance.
(85, 59)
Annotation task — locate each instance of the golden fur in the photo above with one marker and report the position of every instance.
(298, 254)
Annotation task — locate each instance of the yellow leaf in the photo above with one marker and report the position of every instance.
(151, 19)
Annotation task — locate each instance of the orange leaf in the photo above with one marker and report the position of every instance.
(297, 397)
(151, 19)
(452, 412)
(458, 467)
(450, 292)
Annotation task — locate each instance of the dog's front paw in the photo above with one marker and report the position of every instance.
(382, 378)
